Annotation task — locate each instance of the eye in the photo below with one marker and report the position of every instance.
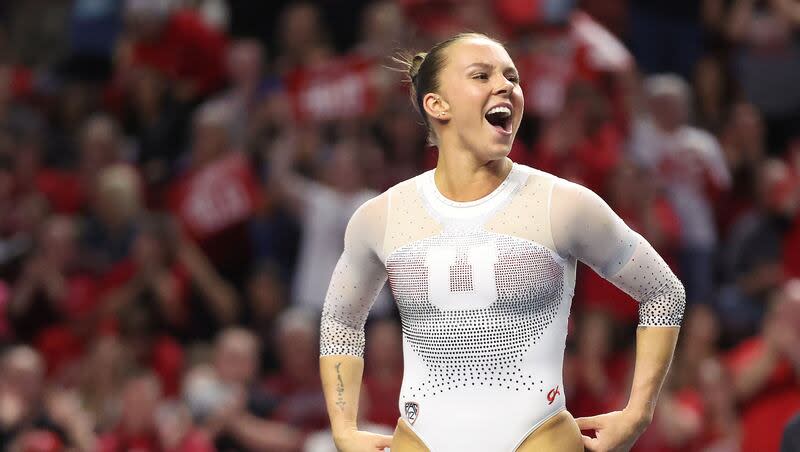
(481, 76)
(513, 78)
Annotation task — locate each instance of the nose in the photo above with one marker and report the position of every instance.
(504, 86)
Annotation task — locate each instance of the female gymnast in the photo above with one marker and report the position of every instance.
(480, 255)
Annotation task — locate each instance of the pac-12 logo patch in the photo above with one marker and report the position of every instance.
(412, 411)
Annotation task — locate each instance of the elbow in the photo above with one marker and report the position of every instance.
(665, 308)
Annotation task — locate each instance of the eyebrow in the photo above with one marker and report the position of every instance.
(491, 66)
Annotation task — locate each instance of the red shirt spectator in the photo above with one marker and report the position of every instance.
(186, 51)
(766, 412)
(214, 201)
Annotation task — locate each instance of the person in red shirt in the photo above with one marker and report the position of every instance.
(227, 400)
(147, 425)
(297, 386)
(766, 372)
(178, 44)
(581, 144)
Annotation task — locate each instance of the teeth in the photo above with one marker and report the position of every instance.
(504, 110)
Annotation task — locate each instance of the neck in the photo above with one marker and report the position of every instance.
(462, 178)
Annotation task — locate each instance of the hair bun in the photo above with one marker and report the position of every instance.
(416, 63)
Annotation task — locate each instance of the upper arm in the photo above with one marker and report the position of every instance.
(356, 281)
(585, 227)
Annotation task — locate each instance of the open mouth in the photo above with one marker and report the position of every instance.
(500, 118)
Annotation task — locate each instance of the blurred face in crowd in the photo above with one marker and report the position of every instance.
(23, 373)
(669, 111)
(117, 196)
(236, 357)
(99, 143)
(702, 328)
(104, 365)
(298, 350)
(748, 129)
(343, 169)
(383, 22)
(301, 29)
(144, 19)
(778, 188)
(211, 135)
(478, 78)
(58, 241)
(245, 62)
(140, 398)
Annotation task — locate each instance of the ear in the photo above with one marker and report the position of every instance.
(436, 106)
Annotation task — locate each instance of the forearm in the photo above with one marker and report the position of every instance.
(220, 295)
(752, 378)
(654, 350)
(341, 384)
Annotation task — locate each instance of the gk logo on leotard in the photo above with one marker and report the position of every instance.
(412, 411)
(551, 396)
(466, 283)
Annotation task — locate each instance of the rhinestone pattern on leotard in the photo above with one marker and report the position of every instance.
(476, 347)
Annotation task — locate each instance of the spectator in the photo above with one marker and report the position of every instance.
(178, 44)
(151, 278)
(302, 37)
(764, 372)
(581, 143)
(324, 209)
(744, 143)
(249, 85)
(149, 425)
(217, 195)
(101, 374)
(689, 166)
(52, 292)
(767, 61)
(754, 252)
(25, 412)
(267, 297)
(228, 401)
(297, 386)
(116, 201)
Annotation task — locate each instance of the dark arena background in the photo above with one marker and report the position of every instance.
(176, 177)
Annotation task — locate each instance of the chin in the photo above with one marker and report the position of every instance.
(497, 151)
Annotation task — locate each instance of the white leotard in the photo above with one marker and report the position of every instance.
(484, 290)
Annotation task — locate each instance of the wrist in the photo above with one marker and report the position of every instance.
(343, 428)
(640, 415)
(341, 434)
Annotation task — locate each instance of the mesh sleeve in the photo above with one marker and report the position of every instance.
(585, 227)
(356, 281)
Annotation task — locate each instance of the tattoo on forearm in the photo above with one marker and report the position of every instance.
(339, 388)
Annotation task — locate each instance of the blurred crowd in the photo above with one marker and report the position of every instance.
(176, 177)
